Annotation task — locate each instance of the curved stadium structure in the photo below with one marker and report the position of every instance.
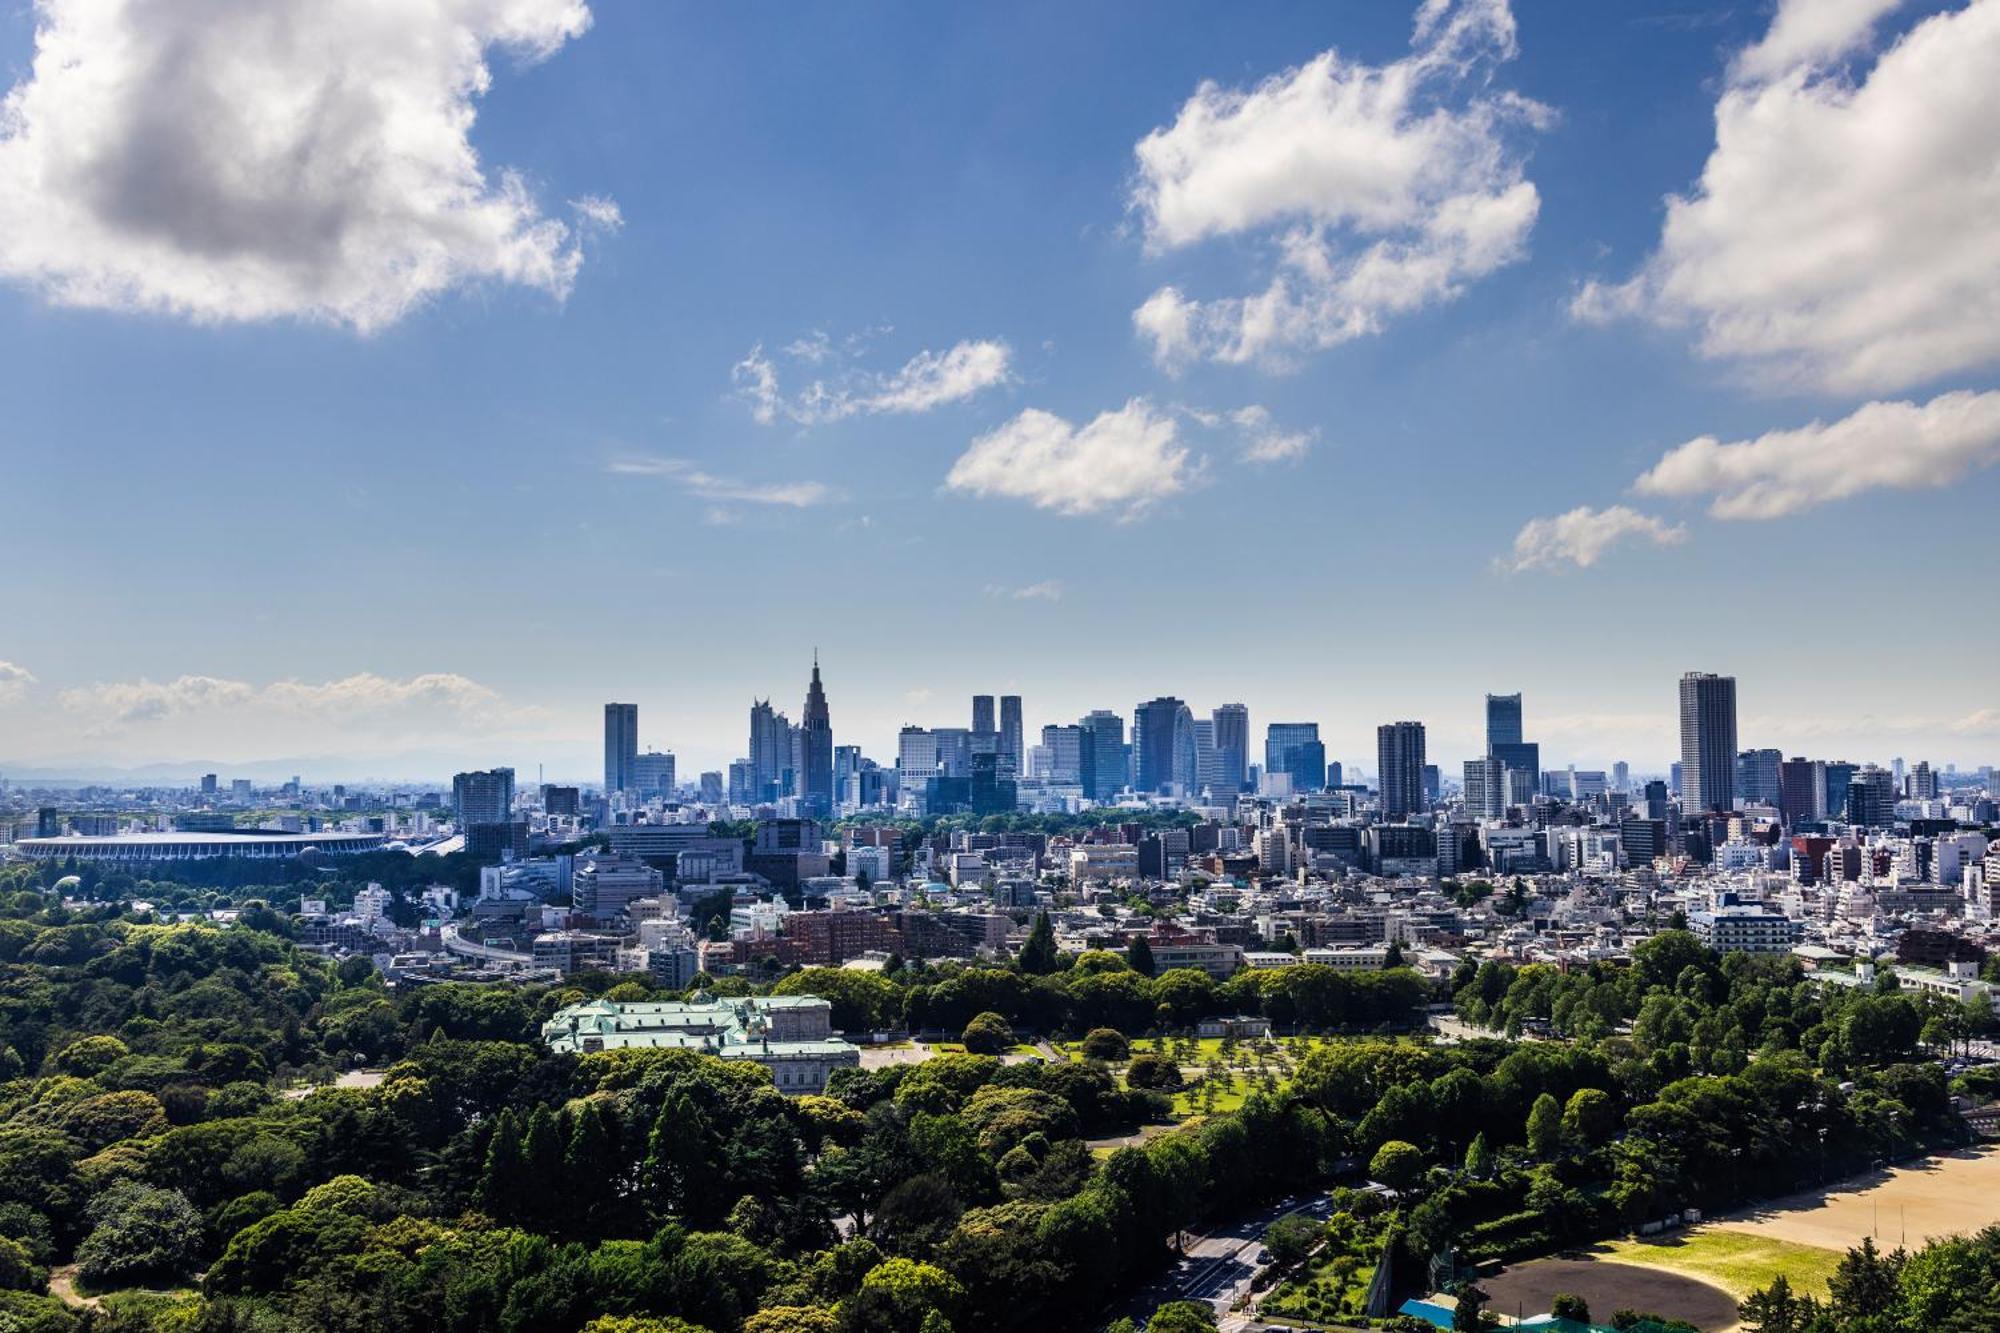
(249, 845)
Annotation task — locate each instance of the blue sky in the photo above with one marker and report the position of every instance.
(270, 495)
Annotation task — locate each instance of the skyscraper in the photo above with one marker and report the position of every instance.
(482, 797)
(1757, 775)
(1801, 791)
(816, 752)
(1503, 742)
(1012, 742)
(621, 746)
(1708, 741)
(1294, 749)
(770, 751)
(1102, 755)
(1485, 788)
(1399, 760)
(1871, 798)
(1163, 746)
(982, 714)
(1232, 743)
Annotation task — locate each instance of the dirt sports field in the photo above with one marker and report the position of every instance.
(1528, 1289)
(1940, 1196)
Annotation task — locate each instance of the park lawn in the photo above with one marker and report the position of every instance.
(1228, 1097)
(958, 1048)
(1736, 1261)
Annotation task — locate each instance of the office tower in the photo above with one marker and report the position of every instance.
(1333, 773)
(1485, 788)
(1871, 798)
(815, 779)
(483, 797)
(742, 782)
(770, 752)
(652, 774)
(982, 715)
(1757, 776)
(1708, 741)
(621, 746)
(1503, 742)
(1232, 743)
(846, 768)
(1163, 746)
(711, 786)
(1896, 768)
(1434, 784)
(1012, 741)
(1656, 800)
(1107, 772)
(1293, 748)
(1062, 753)
(1839, 774)
(1921, 784)
(560, 800)
(916, 755)
(1674, 777)
(1399, 762)
(208, 784)
(1801, 792)
(1621, 776)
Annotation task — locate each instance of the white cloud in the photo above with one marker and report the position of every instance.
(1806, 33)
(249, 161)
(365, 701)
(708, 486)
(1123, 461)
(1264, 441)
(1389, 186)
(927, 380)
(1582, 536)
(1048, 590)
(14, 681)
(1845, 232)
(1893, 444)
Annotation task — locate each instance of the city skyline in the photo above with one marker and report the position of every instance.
(695, 317)
(1504, 724)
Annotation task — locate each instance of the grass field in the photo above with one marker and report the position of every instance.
(1737, 1262)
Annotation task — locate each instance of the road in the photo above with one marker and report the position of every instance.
(458, 944)
(1220, 1266)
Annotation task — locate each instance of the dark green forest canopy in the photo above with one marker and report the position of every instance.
(156, 1132)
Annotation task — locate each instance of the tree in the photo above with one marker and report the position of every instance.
(1291, 1238)
(1107, 1044)
(1396, 1164)
(1471, 1301)
(987, 1034)
(141, 1234)
(1589, 1119)
(1139, 956)
(1566, 1306)
(1393, 955)
(1153, 1072)
(1183, 1317)
(1776, 1310)
(1865, 1284)
(1038, 953)
(1479, 1158)
(898, 1295)
(1545, 1128)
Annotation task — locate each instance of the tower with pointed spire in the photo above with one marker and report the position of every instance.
(816, 752)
